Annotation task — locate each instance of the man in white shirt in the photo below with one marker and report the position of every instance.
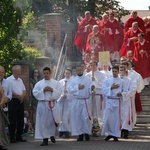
(16, 105)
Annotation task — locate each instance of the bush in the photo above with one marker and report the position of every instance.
(30, 54)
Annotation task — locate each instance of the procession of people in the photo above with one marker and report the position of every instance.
(102, 99)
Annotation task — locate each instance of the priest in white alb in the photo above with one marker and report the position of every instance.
(112, 90)
(80, 121)
(129, 90)
(47, 91)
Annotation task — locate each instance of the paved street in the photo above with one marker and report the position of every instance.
(139, 139)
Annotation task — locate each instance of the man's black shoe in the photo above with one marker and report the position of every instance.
(115, 139)
(87, 137)
(108, 138)
(122, 133)
(126, 134)
(80, 138)
(3, 148)
(146, 86)
(45, 142)
(61, 134)
(13, 141)
(21, 140)
(95, 135)
(67, 135)
(53, 139)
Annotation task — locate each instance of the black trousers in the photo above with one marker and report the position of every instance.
(16, 118)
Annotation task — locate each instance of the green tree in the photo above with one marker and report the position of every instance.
(11, 19)
(73, 8)
(27, 17)
(41, 7)
(15, 18)
(30, 55)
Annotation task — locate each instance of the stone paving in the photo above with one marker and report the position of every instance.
(139, 139)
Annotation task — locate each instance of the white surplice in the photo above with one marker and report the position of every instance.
(99, 100)
(112, 112)
(137, 80)
(80, 120)
(107, 73)
(47, 114)
(64, 105)
(129, 91)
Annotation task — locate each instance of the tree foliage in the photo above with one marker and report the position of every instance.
(11, 19)
(14, 21)
(41, 7)
(30, 54)
(73, 8)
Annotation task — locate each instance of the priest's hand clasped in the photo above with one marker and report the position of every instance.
(48, 88)
(115, 86)
(119, 94)
(80, 86)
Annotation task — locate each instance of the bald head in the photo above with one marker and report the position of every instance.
(129, 53)
(95, 28)
(135, 26)
(145, 19)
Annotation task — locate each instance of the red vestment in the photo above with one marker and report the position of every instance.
(147, 34)
(128, 23)
(117, 34)
(97, 46)
(127, 43)
(138, 105)
(108, 37)
(81, 36)
(143, 59)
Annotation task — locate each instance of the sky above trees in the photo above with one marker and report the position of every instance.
(135, 4)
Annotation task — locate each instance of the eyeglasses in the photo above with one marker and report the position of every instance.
(35, 71)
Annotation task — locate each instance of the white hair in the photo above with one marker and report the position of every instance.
(16, 67)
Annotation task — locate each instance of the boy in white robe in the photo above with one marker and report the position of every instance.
(99, 78)
(137, 78)
(80, 121)
(47, 91)
(138, 84)
(126, 113)
(112, 89)
(64, 103)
